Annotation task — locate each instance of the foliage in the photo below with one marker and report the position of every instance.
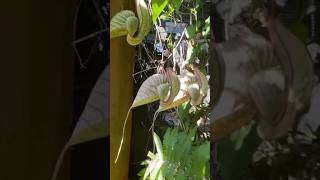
(180, 157)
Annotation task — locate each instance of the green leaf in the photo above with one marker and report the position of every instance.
(183, 111)
(164, 17)
(206, 28)
(156, 171)
(157, 7)
(192, 53)
(200, 157)
(174, 5)
(158, 144)
(142, 172)
(192, 30)
(147, 171)
(183, 156)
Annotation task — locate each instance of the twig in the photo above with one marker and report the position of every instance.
(74, 43)
(139, 59)
(79, 57)
(99, 13)
(90, 36)
(183, 32)
(93, 47)
(160, 42)
(148, 53)
(144, 70)
(174, 62)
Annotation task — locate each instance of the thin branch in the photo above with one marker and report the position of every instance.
(174, 62)
(96, 6)
(93, 47)
(183, 33)
(139, 59)
(149, 54)
(90, 36)
(145, 70)
(74, 43)
(79, 57)
(160, 41)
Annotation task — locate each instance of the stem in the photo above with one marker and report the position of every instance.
(123, 134)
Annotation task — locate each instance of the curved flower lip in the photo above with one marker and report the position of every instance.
(174, 89)
(181, 98)
(188, 79)
(202, 80)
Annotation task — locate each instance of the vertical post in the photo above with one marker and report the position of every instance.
(121, 82)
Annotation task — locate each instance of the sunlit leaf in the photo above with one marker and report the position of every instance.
(148, 92)
(206, 28)
(157, 7)
(156, 171)
(154, 88)
(183, 159)
(158, 144)
(200, 157)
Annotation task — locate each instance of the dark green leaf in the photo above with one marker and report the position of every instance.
(173, 5)
(192, 30)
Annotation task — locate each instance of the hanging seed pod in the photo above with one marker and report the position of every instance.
(181, 98)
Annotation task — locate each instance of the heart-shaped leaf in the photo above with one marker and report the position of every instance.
(148, 91)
